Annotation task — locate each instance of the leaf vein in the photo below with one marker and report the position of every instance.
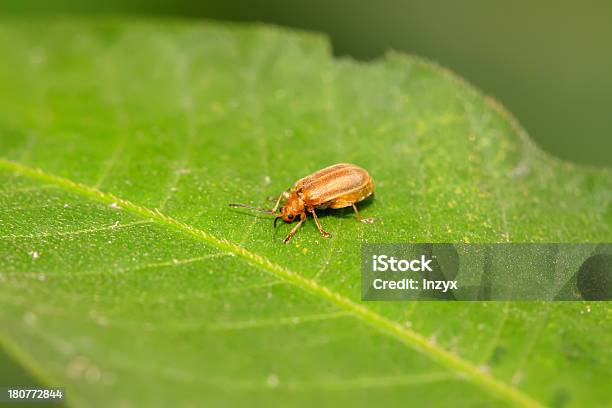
(111, 227)
(406, 336)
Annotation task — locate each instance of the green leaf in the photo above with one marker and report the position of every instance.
(126, 277)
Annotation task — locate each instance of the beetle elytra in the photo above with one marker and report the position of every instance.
(338, 186)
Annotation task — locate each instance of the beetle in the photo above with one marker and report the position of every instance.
(338, 186)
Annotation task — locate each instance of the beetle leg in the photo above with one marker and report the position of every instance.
(321, 230)
(284, 194)
(294, 230)
(362, 220)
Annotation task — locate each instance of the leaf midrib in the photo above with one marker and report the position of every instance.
(408, 337)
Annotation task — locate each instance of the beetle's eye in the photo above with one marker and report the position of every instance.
(290, 216)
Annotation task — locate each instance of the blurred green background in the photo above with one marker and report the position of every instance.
(549, 62)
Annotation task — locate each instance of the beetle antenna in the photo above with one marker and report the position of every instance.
(263, 210)
(276, 219)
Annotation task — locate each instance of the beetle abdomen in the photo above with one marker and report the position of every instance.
(336, 185)
(347, 200)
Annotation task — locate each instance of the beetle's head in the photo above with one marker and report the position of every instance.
(293, 210)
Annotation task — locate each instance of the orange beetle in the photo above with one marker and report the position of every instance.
(338, 186)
